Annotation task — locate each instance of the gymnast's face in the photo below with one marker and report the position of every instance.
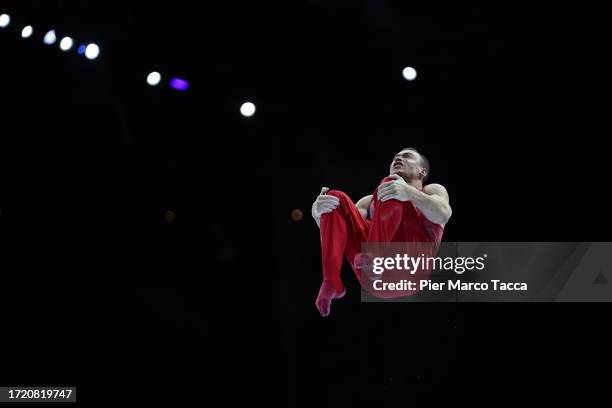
(407, 164)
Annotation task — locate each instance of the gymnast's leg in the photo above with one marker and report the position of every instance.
(342, 232)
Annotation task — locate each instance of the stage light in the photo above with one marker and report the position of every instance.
(297, 215)
(409, 73)
(66, 43)
(92, 51)
(27, 31)
(169, 216)
(5, 19)
(81, 49)
(50, 37)
(153, 78)
(179, 84)
(247, 109)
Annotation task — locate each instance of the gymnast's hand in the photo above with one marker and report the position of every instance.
(395, 189)
(324, 204)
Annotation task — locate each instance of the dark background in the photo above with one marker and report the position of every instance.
(101, 291)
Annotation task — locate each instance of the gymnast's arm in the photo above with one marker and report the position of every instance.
(363, 204)
(433, 203)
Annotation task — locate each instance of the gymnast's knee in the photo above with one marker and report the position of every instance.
(384, 180)
(337, 193)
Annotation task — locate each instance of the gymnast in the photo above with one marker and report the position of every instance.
(401, 209)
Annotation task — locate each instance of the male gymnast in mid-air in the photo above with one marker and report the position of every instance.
(401, 209)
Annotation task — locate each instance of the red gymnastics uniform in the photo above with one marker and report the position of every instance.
(345, 229)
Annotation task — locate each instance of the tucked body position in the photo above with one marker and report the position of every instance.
(401, 209)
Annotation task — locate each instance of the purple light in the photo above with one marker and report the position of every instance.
(179, 84)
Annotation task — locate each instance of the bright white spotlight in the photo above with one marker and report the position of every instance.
(27, 32)
(50, 37)
(409, 73)
(247, 109)
(92, 51)
(66, 43)
(153, 78)
(5, 19)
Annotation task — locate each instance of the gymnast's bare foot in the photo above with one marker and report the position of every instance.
(326, 294)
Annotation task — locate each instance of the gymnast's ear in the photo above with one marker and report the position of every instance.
(424, 173)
